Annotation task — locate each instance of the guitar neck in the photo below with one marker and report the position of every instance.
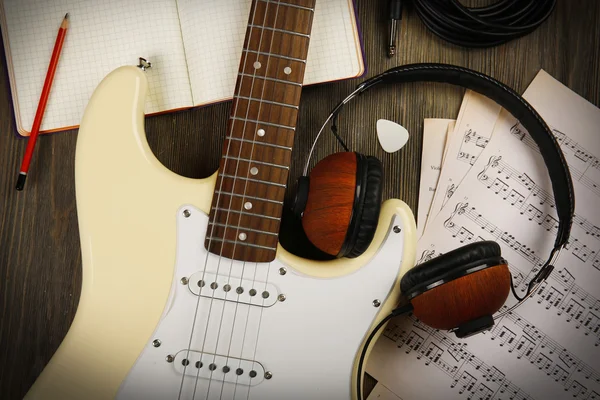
(249, 192)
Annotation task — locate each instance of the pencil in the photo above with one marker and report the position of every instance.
(37, 122)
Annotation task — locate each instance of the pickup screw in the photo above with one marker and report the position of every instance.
(170, 358)
(282, 271)
(184, 281)
(156, 343)
(268, 375)
(186, 213)
(376, 303)
(397, 229)
(281, 297)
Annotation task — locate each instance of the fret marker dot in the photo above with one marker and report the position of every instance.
(243, 236)
(257, 65)
(254, 170)
(261, 132)
(287, 70)
(248, 205)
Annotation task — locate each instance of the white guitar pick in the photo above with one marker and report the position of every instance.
(392, 136)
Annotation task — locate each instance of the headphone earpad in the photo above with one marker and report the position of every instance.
(462, 296)
(453, 261)
(359, 241)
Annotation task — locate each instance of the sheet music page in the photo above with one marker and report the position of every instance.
(213, 60)
(102, 37)
(435, 132)
(549, 347)
(472, 132)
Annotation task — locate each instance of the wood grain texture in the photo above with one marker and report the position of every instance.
(328, 211)
(464, 299)
(40, 263)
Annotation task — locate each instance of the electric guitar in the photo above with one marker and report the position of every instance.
(186, 292)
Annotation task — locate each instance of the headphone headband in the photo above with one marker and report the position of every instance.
(560, 177)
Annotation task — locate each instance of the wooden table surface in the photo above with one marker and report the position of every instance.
(40, 261)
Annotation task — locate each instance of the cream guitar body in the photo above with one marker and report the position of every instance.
(161, 318)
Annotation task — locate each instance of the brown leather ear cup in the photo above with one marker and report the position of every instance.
(464, 299)
(326, 217)
(460, 286)
(343, 205)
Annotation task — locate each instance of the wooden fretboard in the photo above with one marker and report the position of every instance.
(248, 199)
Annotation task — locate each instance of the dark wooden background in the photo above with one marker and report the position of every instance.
(40, 262)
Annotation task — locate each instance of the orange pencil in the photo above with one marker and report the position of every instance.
(37, 122)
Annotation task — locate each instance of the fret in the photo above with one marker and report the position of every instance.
(245, 196)
(260, 111)
(242, 253)
(253, 221)
(232, 233)
(241, 149)
(265, 40)
(287, 4)
(280, 31)
(257, 87)
(259, 143)
(262, 133)
(243, 229)
(257, 189)
(241, 243)
(275, 55)
(253, 180)
(226, 210)
(267, 124)
(275, 16)
(256, 162)
(275, 103)
(259, 207)
(260, 65)
(267, 78)
(248, 170)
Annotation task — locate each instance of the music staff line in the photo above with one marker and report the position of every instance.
(522, 203)
(568, 145)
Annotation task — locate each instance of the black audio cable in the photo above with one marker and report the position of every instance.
(405, 309)
(480, 27)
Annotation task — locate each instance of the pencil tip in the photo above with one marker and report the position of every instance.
(21, 181)
(67, 16)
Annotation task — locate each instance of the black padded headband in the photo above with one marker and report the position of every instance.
(560, 177)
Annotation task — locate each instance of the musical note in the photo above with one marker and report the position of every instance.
(583, 253)
(551, 296)
(464, 383)
(515, 198)
(505, 336)
(464, 235)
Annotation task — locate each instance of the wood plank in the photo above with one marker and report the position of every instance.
(40, 261)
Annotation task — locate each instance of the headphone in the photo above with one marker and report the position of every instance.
(460, 291)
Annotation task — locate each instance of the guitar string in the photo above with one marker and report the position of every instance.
(260, 104)
(216, 212)
(228, 212)
(262, 308)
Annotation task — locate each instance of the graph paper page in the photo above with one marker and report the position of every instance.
(103, 35)
(214, 31)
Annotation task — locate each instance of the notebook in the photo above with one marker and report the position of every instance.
(194, 46)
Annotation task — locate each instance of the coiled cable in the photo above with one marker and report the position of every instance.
(487, 26)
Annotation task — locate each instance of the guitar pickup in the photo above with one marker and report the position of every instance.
(219, 368)
(234, 289)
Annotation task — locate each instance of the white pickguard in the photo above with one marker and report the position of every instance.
(307, 342)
